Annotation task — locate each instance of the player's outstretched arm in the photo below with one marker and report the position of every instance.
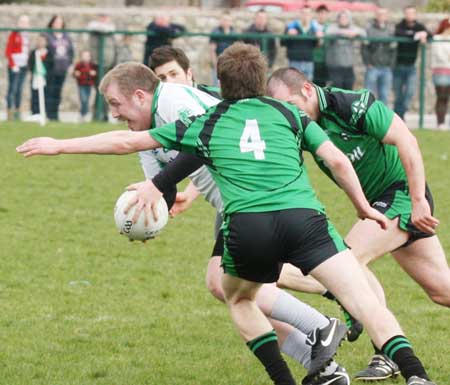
(346, 177)
(408, 149)
(112, 142)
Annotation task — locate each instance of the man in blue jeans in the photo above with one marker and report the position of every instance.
(379, 56)
(405, 70)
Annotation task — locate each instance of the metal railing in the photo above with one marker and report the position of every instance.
(262, 37)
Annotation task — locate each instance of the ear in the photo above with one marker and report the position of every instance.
(140, 96)
(307, 90)
(189, 75)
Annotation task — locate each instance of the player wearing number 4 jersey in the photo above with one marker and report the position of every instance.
(270, 195)
(387, 159)
(171, 65)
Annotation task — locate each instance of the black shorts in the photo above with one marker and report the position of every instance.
(257, 244)
(218, 245)
(395, 202)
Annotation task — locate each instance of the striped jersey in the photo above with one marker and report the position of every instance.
(172, 102)
(356, 123)
(253, 148)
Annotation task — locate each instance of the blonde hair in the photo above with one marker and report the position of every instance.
(129, 77)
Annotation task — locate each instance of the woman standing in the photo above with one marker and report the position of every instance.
(440, 64)
(61, 49)
(17, 49)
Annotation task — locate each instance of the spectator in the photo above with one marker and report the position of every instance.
(61, 49)
(102, 28)
(300, 52)
(378, 56)
(218, 44)
(40, 63)
(320, 66)
(165, 31)
(405, 69)
(123, 50)
(85, 74)
(17, 50)
(440, 64)
(339, 55)
(260, 25)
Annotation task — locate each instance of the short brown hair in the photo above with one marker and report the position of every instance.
(242, 71)
(292, 78)
(129, 77)
(166, 54)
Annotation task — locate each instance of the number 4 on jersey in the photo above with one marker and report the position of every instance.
(251, 140)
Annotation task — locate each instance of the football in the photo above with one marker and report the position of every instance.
(139, 231)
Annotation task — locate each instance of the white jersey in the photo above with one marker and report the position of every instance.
(170, 103)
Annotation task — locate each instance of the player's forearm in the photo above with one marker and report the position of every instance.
(191, 191)
(112, 142)
(412, 161)
(345, 176)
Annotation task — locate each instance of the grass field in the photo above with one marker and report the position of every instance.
(82, 305)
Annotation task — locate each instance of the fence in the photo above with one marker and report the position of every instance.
(195, 45)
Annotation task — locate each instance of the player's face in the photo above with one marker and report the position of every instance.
(172, 72)
(134, 110)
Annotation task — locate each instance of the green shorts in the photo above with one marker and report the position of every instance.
(395, 202)
(257, 244)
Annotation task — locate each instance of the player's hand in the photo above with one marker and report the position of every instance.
(375, 215)
(182, 203)
(39, 146)
(147, 197)
(421, 216)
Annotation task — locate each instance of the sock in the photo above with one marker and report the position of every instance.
(399, 349)
(329, 295)
(377, 351)
(303, 317)
(265, 348)
(295, 347)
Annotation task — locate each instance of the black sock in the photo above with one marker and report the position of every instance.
(377, 351)
(399, 350)
(266, 348)
(329, 295)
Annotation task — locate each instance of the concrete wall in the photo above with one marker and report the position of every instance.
(136, 18)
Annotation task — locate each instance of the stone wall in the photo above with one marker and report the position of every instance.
(137, 18)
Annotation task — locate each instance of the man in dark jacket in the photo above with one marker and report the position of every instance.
(300, 51)
(405, 70)
(165, 31)
(260, 25)
(379, 56)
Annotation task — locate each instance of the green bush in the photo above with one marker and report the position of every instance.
(438, 6)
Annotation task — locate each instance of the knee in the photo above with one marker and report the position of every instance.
(442, 297)
(215, 288)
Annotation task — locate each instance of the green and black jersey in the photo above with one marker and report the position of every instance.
(251, 146)
(357, 123)
(211, 90)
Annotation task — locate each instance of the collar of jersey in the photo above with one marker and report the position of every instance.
(323, 104)
(155, 103)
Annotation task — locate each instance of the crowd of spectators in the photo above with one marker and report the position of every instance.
(325, 52)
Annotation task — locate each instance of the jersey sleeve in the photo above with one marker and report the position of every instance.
(181, 135)
(378, 120)
(149, 163)
(314, 137)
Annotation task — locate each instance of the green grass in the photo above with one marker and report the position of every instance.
(79, 304)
